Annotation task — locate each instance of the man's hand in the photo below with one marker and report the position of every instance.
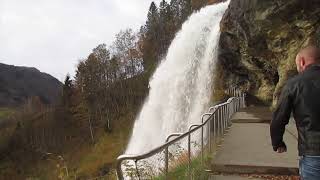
(281, 149)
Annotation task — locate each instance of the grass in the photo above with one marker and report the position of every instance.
(6, 127)
(100, 158)
(6, 112)
(180, 172)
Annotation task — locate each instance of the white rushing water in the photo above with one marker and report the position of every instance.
(181, 87)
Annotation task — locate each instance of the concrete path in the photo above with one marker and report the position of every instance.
(221, 177)
(253, 115)
(247, 149)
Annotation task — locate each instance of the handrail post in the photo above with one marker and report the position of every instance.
(214, 128)
(244, 100)
(237, 104)
(221, 122)
(189, 150)
(233, 107)
(167, 153)
(229, 112)
(119, 171)
(209, 134)
(213, 125)
(189, 156)
(225, 118)
(218, 123)
(202, 144)
(137, 170)
(166, 165)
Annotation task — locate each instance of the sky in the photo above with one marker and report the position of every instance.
(53, 35)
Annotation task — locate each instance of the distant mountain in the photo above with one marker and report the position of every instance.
(17, 84)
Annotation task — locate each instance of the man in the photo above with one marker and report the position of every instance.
(301, 96)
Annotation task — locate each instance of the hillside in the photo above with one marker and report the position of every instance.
(17, 84)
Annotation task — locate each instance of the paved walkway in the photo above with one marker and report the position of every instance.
(246, 148)
(220, 177)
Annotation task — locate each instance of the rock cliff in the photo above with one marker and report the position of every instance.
(259, 42)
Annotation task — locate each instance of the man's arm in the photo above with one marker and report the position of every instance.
(280, 119)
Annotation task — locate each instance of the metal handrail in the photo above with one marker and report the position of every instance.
(221, 109)
(153, 151)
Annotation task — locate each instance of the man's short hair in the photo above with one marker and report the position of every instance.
(312, 52)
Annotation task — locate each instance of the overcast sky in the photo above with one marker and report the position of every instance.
(52, 35)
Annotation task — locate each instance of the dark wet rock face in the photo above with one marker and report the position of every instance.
(260, 39)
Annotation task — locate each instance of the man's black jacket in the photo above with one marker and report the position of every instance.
(301, 96)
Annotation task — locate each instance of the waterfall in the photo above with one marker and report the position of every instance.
(180, 88)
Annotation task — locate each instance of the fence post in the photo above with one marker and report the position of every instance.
(189, 156)
(224, 119)
(189, 150)
(209, 134)
(221, 123)
(166, 162)
(229, 106)
(214, 129)
(202, 144)
(166, 153)
(226, 115)
(137, 170)
(211, 125)
(119, 170)
(218, 124)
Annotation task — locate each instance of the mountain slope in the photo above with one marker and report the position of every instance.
(17, 84)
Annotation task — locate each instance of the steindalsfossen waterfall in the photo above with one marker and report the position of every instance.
(181, 87)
